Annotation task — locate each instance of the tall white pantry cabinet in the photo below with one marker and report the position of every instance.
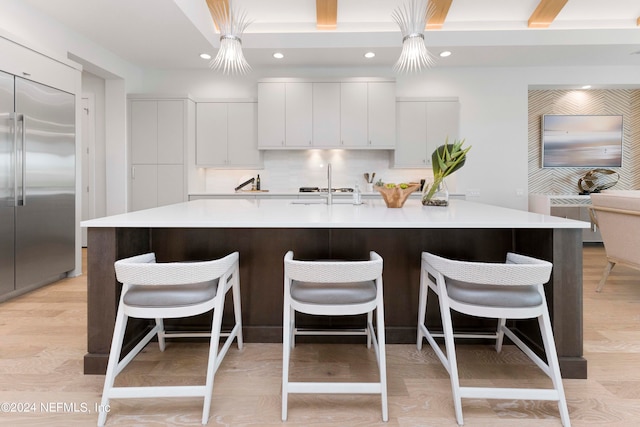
(158, 144)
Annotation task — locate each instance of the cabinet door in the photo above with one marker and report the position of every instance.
(326, 115)
(243, 135)
(381, 102)
(211, 134)
(411, 148)
(442, 124)
(298, 114)
(144, 187)
(271, 115)
(144, 132)
(353, 114)
(170, 132)
(170, 184)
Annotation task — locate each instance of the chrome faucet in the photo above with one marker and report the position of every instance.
(329, 194)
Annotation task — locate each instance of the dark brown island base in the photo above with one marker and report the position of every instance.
(262, 231)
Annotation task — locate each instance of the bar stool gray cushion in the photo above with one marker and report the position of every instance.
(493, 295)
(333, 293)
(171, 295)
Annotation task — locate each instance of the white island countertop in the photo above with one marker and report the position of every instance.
(267, 213)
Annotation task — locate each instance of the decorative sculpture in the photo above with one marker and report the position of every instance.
(597, 180)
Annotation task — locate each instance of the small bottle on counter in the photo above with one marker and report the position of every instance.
(258, 183)
(357, 196)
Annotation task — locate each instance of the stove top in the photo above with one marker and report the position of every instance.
(325, 190)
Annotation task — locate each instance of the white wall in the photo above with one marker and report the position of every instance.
(94, 85)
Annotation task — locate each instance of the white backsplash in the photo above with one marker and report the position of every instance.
(287, 171)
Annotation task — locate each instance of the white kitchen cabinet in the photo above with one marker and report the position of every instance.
(422, 126)
(368, 115)
(227, 135)
(411, 148)
(285, 115)
(344, 114)
(156, 185)
(31, 65)
(211, 134)
(298, 114)
(157, 131)
(353, 114)
(157, 139)
(271, 113)
(381, 119)
(326, 114)
(144, 187)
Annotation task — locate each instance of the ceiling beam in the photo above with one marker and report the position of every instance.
(213, 4)
(545, 13)
(440, 10)
(326, 14)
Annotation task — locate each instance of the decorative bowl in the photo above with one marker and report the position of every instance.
(395, 197)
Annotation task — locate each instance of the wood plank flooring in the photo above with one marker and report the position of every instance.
(43, 341)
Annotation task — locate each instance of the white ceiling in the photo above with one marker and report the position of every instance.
(172, 33)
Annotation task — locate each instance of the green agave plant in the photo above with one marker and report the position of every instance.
(445, 160)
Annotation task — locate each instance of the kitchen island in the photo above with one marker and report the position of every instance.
(262, 231)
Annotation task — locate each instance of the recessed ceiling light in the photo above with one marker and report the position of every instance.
(369, 55)
(586, 87)
(445, 53)
(278, 55)
(205, 56)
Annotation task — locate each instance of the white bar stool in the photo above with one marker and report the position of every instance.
(334, 288)
(172, 290)
(511, 290)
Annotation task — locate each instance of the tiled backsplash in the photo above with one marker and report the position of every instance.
(286, 171)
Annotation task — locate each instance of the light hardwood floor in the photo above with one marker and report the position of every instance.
(43, 340)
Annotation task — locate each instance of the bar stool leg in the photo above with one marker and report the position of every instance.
(112, 364)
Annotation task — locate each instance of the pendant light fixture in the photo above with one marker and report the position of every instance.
(412, 19)
(231, 24)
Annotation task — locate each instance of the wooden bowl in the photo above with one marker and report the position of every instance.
(396, 196)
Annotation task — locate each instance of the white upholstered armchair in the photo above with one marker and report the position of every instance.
(617, 213)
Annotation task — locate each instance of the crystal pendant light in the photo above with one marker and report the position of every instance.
(412, 20)
(231, 24)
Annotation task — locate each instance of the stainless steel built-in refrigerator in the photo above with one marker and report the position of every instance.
(37, 184)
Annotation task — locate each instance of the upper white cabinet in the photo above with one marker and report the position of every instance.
(271, 111)
(381, 104)
(326, 114)
(422, 126)
(227, 135)
(31, 65)
(298, 115)
(368, 114)
(157, 131)
(285, 114)
(157, 137)
(353, 114)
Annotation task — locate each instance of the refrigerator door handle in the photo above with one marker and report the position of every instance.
(16, 118)
(23, 165)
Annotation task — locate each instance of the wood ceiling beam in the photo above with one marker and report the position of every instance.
(440, 11)
(545, 13)
(326, 14)
(213, 4)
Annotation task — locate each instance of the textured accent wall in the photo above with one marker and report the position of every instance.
(616, 101)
